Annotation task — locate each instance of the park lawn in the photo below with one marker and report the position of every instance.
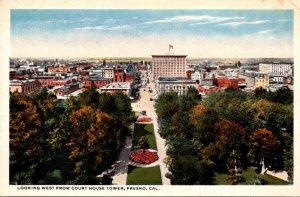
(220, 179)
(144, 130)
(144, 176)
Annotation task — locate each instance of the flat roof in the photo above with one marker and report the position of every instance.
(116, 85)
(169, 55)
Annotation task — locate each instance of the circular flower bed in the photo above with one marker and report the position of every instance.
(144, 119)
(143, 156)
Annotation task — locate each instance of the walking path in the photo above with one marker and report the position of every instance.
(121, 170)
(144, 104)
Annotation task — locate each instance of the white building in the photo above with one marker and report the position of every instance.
(281, 68)
(174, 84)
(197, 75)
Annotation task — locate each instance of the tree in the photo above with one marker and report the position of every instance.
(283, 95)
(123, 110)
(264, 146)
(89, 97)
(24, 139)
(187, 170)
(92, 141)
(166, 105)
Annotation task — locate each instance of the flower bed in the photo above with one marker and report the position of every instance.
(143, 156)
(144, 119)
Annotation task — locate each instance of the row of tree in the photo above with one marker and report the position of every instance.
(226, 133)
(81, 137)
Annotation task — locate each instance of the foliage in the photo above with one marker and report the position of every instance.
(24, 133)
(264, 146)
(78, 139)
(225, 122)
(187, 170)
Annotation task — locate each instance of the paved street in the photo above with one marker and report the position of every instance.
(144, 104)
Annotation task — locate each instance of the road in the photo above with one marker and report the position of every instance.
(143, 104)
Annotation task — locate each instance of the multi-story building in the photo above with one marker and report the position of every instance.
(67, 89)
(280, 68)
(123, 87)
(168, 66)
(262, 80)
(24, 86)
(96, 81)
(174, 84)
(108, 72)
(197, 75)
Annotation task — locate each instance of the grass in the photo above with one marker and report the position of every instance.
(144, 176)
(220, 179)
(144, 130)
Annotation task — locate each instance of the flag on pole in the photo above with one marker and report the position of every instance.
(170, 47)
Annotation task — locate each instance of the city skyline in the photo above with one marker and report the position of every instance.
(141, 33)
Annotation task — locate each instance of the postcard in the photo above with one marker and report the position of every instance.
(159, 98)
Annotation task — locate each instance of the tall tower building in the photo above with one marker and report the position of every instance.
(168, 66)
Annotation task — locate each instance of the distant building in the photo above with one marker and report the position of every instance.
(208, 89)
(168, 66)
(249, 79)
(67, 89)
(24, 86)
(108, 72)
(119, 75)
(96, 82)
(45, 81)
(262, 80)
(206, 81)
(64, 69)
(280, 68)
(225, 82)
(197, 75)
(123, 87)
(174, 84)
(61, 81)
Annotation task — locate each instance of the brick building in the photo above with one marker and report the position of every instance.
(24, 86)
(67, 89)
(225, 82)
(207, 89)
(45, 81)
(96, 81)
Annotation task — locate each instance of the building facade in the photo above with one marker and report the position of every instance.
(262, 80)
(168, 66)
(123, 87)
(24, 86)
(174, 84)
(281, 68)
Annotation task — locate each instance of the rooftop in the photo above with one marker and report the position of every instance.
(121, 85)
(169, 55)
(174, 79)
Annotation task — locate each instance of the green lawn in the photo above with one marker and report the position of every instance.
(148, 131)
(220, 179)
(144, 176)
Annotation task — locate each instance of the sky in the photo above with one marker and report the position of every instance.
(142, 33)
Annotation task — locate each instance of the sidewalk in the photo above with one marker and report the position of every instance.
(144, 104)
